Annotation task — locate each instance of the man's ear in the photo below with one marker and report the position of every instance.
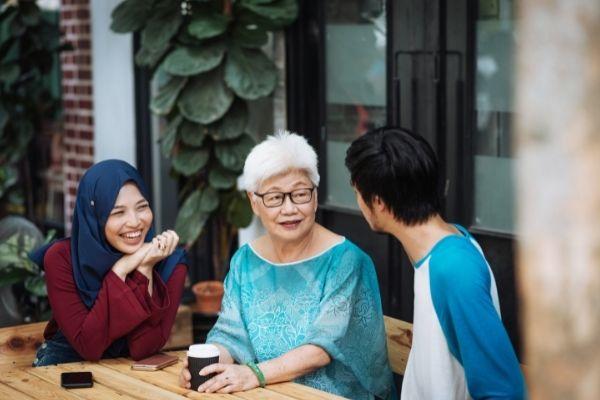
(378, 204)
(252, 200)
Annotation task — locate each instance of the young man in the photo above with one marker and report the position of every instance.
(460, 349)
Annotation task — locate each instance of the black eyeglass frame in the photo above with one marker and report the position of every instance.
(286, 194)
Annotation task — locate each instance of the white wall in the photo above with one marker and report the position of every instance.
(113, 89)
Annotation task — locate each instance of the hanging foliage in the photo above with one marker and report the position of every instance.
(28, 45)
(207, 54)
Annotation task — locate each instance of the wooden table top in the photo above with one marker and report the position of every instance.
(114, 379)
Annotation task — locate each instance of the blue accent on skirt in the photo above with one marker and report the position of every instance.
(58, 350)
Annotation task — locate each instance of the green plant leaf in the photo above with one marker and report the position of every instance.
(49, 236)
(280, 12)
(9, 73)
(239, 212)
(13, 253)
(249, 35)
(193, 134)
(250, 73)
(30, 13)
(206, 98)
(8, 178)
(169, 136)
(232, 153)
(209, 200)
(146, 57)
(233, 124)
(163, 102)
(186, 61)
(16, 26)
(160, 28)
(130, 15)
(208, 26)
(189, 160)
(36, 285)
(22, 136)
(220, 178)
(9, 49)
(10, 276)
(7, 14)
(190, 220)
(10, 257)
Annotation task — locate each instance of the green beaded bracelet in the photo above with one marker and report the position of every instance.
(261, 378)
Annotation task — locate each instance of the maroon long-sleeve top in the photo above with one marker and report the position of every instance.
(122, 309)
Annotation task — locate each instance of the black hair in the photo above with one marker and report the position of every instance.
(400, 168)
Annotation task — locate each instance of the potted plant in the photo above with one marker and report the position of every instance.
(207, 57)
(20, 278)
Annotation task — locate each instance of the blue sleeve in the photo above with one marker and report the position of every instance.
(460, 290)
(230, 330)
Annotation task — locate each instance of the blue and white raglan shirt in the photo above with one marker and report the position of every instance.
(460, 348)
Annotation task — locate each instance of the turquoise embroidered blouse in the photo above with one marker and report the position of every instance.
(330, 300)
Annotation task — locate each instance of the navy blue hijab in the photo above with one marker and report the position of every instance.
(92, 256)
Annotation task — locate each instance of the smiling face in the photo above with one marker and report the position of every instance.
(129, 220)
(289, 221)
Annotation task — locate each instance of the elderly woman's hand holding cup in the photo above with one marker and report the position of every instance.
(198, 357)
(202, 372)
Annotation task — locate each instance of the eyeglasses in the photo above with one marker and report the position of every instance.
(275, 199)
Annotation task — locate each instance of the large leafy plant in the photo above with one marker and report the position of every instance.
(18, 237)
(28, 43)
(207, 57)
(16, 267)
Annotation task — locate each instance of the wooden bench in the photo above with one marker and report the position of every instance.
(18, 344)
(399, 342)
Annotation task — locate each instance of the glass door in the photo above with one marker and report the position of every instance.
(494, 111)
(355, 85)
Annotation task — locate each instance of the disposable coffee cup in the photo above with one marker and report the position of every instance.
(200, 356)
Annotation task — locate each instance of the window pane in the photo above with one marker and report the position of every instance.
(494, 186)
(356, 84)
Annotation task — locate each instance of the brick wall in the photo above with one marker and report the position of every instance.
(78, 139)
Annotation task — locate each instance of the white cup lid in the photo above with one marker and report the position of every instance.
(203, 351)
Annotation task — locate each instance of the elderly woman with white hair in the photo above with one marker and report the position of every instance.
(301, 303)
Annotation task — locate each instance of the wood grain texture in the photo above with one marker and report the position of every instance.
(6, 392)
(399, 342)
(115, 380)
(262, 394)
(19, 343)
(52, 375)
(161, 378)
(34, 386)
(120, 382)
(297, 391)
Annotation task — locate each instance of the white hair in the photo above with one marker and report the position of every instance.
(279, 153)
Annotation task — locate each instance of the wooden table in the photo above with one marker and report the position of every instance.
(114, 379)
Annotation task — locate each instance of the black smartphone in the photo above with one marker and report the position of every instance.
(71, 380)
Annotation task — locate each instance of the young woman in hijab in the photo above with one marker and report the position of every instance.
(113, 286)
